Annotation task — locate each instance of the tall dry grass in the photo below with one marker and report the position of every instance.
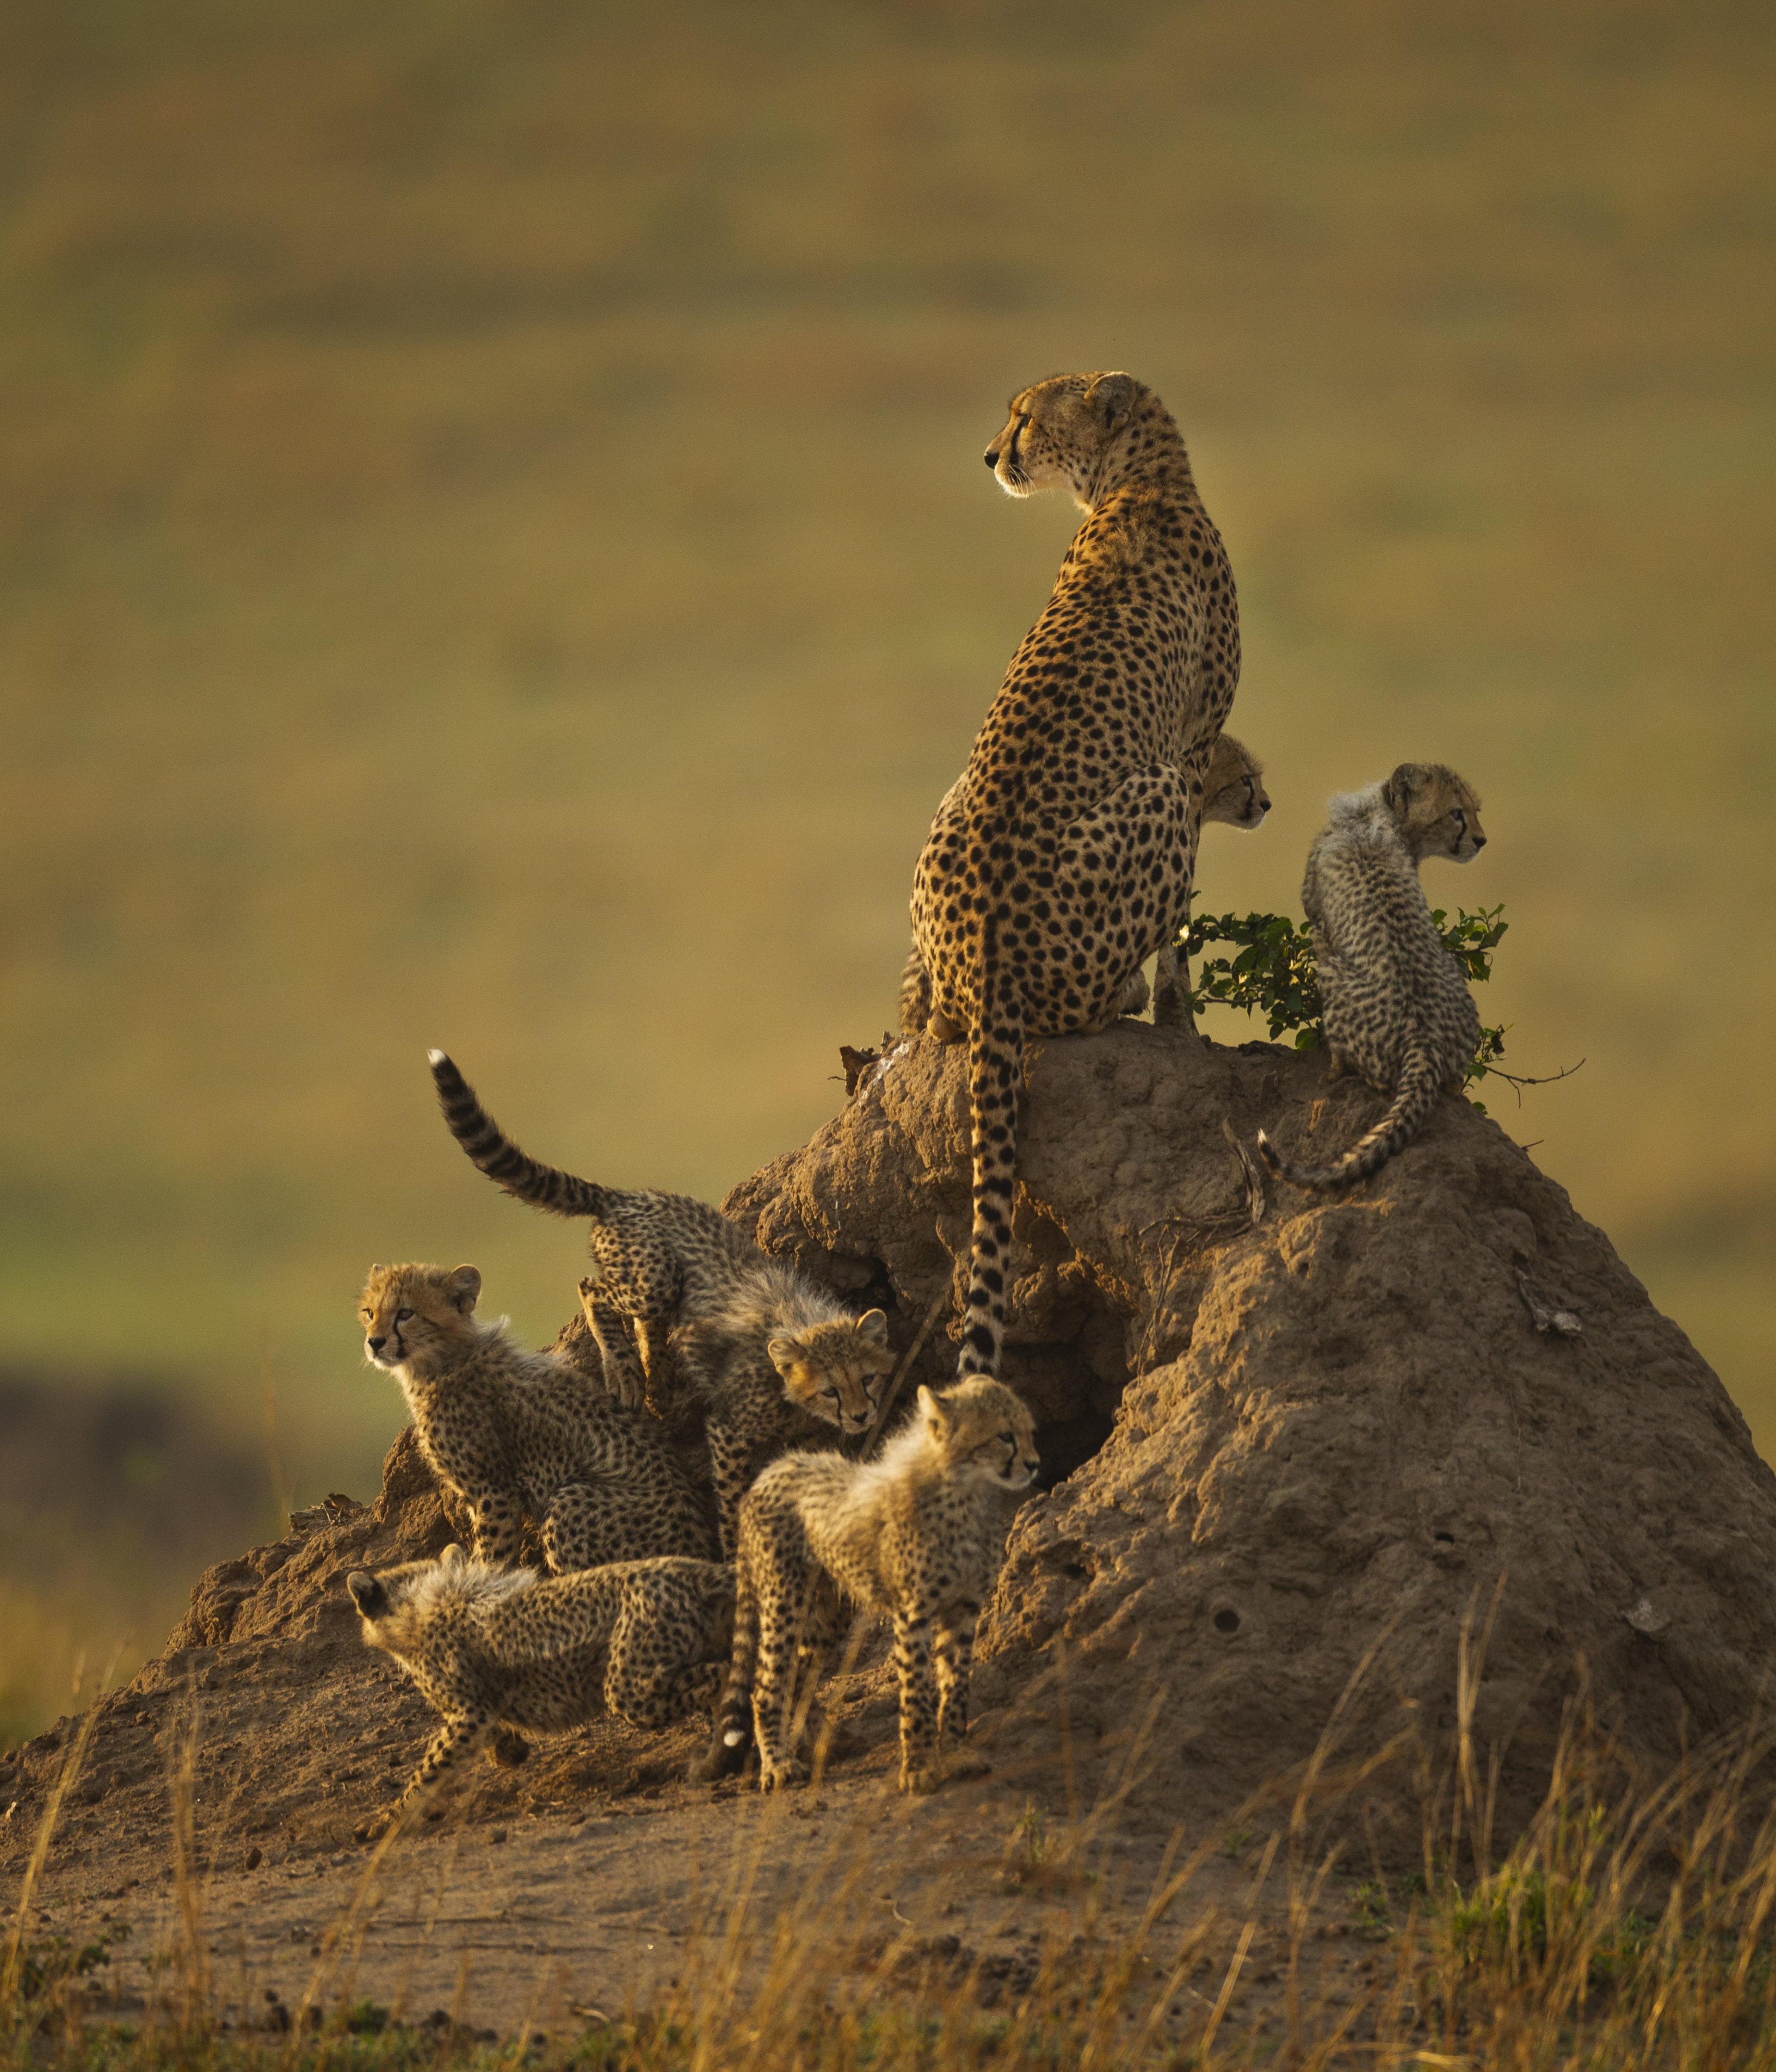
(1631, 1927)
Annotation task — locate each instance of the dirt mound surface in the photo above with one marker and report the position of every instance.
(1276, 1449)
(1339, 1430)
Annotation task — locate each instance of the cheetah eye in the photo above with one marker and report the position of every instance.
(401, 1316)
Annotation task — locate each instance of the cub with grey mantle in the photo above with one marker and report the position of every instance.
(1395, 1004)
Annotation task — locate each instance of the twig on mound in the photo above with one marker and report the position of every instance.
(1255, 1180)
(1544, 1316)
(940, 1303)
(1517, 1081)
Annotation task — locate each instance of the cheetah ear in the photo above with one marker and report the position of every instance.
(783, 1353)
(1396, 794)
(1110, 398)
(367, 1594)
(873, 1324)
(452, 1557)
(466, 1282)
(934, 1410)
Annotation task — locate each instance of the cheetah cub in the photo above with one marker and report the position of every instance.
(780, 1366)
(492, 1647)
(1394, 1003)
(1233, 796)
(521, 1434)
(674, 1282)
(917, 1535)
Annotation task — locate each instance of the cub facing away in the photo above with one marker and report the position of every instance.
(679, 1296)
(521, 1434)
(1394, 1003)
(917, 1535)
(503, 1647)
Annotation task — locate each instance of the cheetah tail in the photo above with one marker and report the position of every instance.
(543, 1186)
(995, 1071)
(1417, 1096)
(734, 1719)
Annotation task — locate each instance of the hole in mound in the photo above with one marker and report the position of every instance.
(1448, 1538)
(1226, 1622)
(1067, 1443)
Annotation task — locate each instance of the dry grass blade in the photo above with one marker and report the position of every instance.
(11, 1971)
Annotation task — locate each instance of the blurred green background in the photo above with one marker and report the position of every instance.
(496, 553)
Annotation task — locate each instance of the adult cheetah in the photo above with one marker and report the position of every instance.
(1063, 856)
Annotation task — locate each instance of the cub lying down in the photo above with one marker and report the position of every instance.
(504, 1647)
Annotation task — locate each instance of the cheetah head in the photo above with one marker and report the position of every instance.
(1061, 432)
(1438, 814)
(983, 1430)
(836, 1371)
(410, 1312)
(1233, 792)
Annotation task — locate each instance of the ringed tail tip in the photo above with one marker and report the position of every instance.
(437, 1058)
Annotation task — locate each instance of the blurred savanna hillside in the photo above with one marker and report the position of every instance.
(495, 553)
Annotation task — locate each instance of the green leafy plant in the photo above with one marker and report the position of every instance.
(1270, 972)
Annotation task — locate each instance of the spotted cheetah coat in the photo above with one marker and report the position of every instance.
(1064, 855)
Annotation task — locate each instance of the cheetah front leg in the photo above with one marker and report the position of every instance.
(730, 1457)
(795, 1638)
(624, 1374)
(459, 1736)
(1172, 989)
(920, 1768)
(915, 996)
(499, 1528)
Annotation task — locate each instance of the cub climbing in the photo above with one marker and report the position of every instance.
(1062, 858)
(1394, 1002)
(781, 1365)
(917, 1535)
(492, 1647)
(667, 1270)
(521, 1434)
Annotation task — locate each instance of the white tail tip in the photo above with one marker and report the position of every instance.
(732, 1738)
(436, 1057)
(1263, 1141)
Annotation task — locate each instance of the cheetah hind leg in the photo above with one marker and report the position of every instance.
(953, 1653)
(580, 1530)
(611, 1331)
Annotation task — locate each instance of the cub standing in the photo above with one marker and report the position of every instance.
(520, 1434)
(917, 1535)
(1394, 1002)
(489, 1647)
